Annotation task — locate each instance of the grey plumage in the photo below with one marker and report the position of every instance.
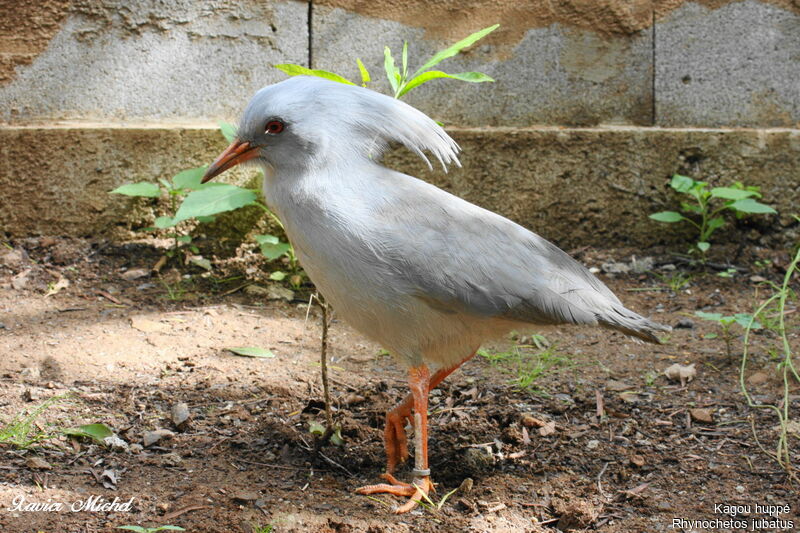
(425, 273)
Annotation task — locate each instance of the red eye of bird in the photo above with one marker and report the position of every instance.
(274, 127)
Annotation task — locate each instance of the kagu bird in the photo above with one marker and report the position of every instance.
(424, 273)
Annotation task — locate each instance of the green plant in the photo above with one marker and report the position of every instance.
(770, 316)
(202, 202)
(181, 185)
(22, 431)
(705, 210)
(96, 432)
(262, 529)
(726, 323)
(140, 529)
(528, 362)
(175, 291)
(781, 295)
(676, 281)
(334, 435)
(432, 506)
(399, 79)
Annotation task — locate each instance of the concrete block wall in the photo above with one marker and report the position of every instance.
(103, 92)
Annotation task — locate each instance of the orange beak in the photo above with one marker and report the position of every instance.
(237, 152)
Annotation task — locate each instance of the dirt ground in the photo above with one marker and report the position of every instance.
(599, 440)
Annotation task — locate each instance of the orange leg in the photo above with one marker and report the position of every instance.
(394, 434)
(420, 383)
(419, 379)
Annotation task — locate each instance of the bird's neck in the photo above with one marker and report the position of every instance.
(287, 189)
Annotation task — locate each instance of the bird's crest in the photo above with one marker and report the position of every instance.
(352, 118)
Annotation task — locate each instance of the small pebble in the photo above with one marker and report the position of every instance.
(171, 459)
(592, 444)
(30, 395)
(116, 443)
(151, 437)
(180, 414)
(245, 496)
(37, 463)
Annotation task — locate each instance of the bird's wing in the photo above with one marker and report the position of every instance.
(458, 257)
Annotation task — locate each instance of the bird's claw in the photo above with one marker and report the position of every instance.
(415, 492)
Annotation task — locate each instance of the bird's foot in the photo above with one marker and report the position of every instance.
(416, 492)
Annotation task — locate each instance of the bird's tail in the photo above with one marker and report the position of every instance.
(622, 319)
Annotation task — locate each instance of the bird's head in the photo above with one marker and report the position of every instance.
(306, 122)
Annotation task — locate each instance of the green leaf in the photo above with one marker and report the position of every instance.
(405, 59)
(272, 247)
(751, 205)
(456, 48)
(251, 351)
(143, 188)
(391, 70)
(691, 207)
(743, 319)
(336, 437)
(315, 428)
(298, 70)
(681, 183)
(667, 216)
(189, 179)
(228, 131)
(213, 200)
(96, 432)
(699, 191)
(365, 79)
(472, 77)
(186, 239)
(713, 317)
(710, 336)
(729, 193)
(164, 222)
(206, 220)
(274, 251)
(703, 246)
(715, 223)
(266, 239)
(277, 276)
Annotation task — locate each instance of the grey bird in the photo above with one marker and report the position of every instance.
(424, 273)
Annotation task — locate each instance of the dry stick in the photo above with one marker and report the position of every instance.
(323, 360)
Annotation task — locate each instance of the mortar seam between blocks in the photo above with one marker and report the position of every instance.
(653, 103)
(310, 44)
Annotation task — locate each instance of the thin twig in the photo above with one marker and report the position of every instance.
(323, 364)
(599, 483)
